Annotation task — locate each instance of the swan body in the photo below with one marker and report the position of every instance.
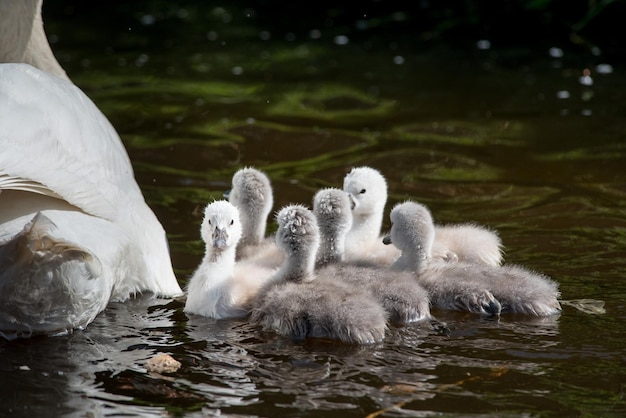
(252, 195)
(67, 182)
(62, 159)
(476, 288)
(367, 188)
(217, 289)
(299, 303)
(401, 296)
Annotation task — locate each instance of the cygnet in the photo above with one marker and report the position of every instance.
(402, 297)
(252, 195)
(470, 243)
(300, 304)
(476, 288)
(367, 189)
(219, 289)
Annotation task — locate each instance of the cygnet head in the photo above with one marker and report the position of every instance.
(221, 227)
(412, 231)
(367, 189)
(252, 194)
(332, 209)
(298, 236)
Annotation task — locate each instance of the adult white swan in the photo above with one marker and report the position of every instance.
(22, 37)
(75, 231)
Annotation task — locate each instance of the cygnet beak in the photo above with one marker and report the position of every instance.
(227, 193)
(387, 240)
(353, 202)
(220, 238)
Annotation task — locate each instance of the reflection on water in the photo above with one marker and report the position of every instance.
(230, 366)
(470, 135)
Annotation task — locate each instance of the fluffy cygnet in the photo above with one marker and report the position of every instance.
(468, 243)
(402, 297)
(367, 188)
(218, 289)
(300, 304)
(334, 219)
(464, 286)
(252, 195)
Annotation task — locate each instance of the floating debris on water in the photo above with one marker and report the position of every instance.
(589, 306)
(162, 363)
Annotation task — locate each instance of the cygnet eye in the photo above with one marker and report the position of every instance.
(232, 221)
(362, 191)
(209, 221)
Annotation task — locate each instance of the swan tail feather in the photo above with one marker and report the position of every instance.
(47, 285)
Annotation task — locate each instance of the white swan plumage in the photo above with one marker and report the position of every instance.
(478, 288)
(73, 217)
(22, 36)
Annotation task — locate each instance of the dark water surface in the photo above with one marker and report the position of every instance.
(507, 138)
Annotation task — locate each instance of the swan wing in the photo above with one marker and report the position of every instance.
(8, 182)
(55, 141)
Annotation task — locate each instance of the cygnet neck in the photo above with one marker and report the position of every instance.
(252, 195)
(332, 248)
(299, 266)
(219, 255)
(365, 228)
(334, 219)
(414, 258)
(298, 236)
(253, 224)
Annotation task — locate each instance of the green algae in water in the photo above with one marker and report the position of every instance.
(330, 102)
